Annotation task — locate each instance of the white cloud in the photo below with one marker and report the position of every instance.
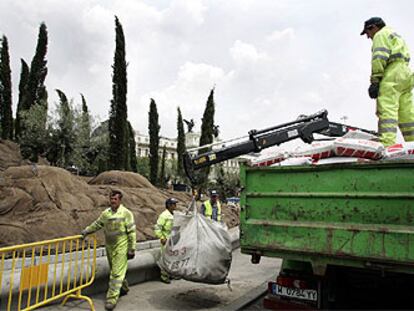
(193, 10)
(281, 35)
(189, 91)
(243, 53)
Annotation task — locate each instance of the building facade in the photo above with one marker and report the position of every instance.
(192, 140)
(142, 145)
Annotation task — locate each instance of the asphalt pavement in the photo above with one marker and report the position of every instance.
(246, 279)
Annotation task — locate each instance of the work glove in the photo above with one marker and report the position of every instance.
(130, 254)
(84, 233)
(373, 90)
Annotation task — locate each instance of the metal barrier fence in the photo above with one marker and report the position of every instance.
(35, 274)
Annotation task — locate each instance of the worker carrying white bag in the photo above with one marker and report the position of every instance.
(199, 249)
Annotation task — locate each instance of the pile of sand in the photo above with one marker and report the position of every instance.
(41, 202)
(10, 155)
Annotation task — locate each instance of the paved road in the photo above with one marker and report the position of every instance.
(183, 295)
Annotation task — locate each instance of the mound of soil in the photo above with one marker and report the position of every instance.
(10, 155)
(126, 179)
(40, 202)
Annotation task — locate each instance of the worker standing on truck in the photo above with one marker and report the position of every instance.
(163, 228)
(391, 81)
(211, 208)
(120, 241)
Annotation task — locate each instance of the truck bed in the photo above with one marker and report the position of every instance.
(359, 215)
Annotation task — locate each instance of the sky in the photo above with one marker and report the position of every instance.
(268, 61)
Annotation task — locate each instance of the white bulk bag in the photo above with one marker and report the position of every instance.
(199, 249)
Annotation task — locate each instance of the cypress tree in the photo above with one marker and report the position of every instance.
(206, 137)
(154, 130)
(35, 94)
(84, 105)
(180, 144)
(82, 152)
(36, 90)
(162, 171)
(118, 128)
(86, 119)
(65, 135)
(24, 77)
(6, 91)
(132, 149)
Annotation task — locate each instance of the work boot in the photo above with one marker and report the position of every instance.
(124, 289)
(109, 306)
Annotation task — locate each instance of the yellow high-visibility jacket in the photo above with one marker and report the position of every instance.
(119, 228)
(387, 47)
(208, 210)
(164, 225)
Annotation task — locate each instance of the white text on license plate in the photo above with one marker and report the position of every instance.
(304, 294)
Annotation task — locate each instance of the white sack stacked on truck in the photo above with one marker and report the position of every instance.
(317, 150)
(295, 162)
(360, 135)
(358, 148)
(198, 250)
(268, 159)
(404, 151)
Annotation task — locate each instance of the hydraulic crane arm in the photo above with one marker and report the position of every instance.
(304, 128)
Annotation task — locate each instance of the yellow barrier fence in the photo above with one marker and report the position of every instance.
(35, 274)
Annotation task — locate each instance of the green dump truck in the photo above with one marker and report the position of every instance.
(343, 230)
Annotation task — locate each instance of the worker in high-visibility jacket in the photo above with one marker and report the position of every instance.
(163, 228)
(211, 208)
(391, 81)
(120, 241)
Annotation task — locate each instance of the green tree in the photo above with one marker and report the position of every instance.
(64, 134)
(33, 139)
(118, 127)
(154, 137)
(36, 90)
(98, 154)
(82, 145)
(86, 119)
(132, 149)
(143, 166)
(24, 78)
(206, 137)
(227, 183)
(5, 91)
(180, 145)
(36, 94)
(162, 181)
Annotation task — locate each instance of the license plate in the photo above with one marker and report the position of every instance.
(303, 294)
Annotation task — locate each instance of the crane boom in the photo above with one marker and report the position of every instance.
(304, 128)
